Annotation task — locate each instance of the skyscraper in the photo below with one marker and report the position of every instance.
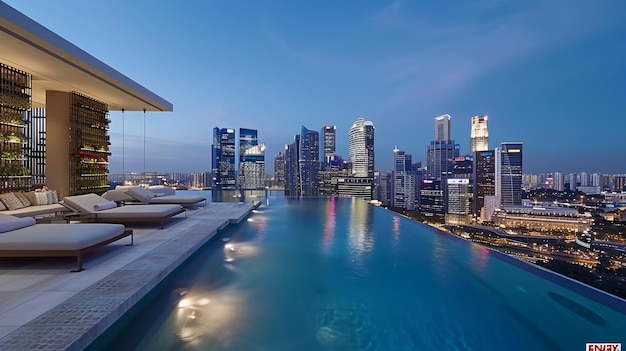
(309, 162)
(479, 135)
(279, 170)
(459, 201)
(484, 178)
(441, 151)
(223, 158)
(361, 148)
(292, 169)
(404, 181)
(251, 160)
(558, 181)
(432, 203)
(511, 174)
(360, 182)
(442, 127)
(329, 143)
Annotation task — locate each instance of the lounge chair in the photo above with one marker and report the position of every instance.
(147, 196)
(21, 237)
(98, 209)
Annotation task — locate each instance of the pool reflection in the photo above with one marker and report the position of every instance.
(213, 316)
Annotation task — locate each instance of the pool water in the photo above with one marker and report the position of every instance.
(340, 274)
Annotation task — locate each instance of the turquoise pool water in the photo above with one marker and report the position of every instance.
(340, 274)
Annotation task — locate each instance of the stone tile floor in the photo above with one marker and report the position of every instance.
(44, 306)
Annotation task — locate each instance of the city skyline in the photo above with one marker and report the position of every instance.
(543, 73)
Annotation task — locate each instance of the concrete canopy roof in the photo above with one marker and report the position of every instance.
(57, 64)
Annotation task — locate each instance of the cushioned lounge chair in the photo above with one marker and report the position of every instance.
(95, 208)
(147, 196)
(21, 237)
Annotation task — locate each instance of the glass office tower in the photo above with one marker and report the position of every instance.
(223, 157)
(511, 174)
(251, 160)
(309, 161)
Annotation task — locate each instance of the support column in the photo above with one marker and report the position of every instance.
(58, 142)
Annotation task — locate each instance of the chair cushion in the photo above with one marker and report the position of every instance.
(17, 223)
(59, 236)
(141, 194)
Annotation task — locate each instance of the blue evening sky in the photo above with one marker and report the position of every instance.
(549, 73)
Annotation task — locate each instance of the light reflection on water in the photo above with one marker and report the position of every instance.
(343, 275)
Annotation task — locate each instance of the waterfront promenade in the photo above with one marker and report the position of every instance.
(44, 306)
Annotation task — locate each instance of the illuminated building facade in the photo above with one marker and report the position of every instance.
(279, 170)
(459, 202)
(251, 160)
(223, 157)
(361, 148)
(309, 162)
(511, 167)
(483, 179)
(292, 168)
(544, 219)
(479, 135)
(404, 181)
(329, 141)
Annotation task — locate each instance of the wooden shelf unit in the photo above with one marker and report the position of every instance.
(89, 145)
(15, 104)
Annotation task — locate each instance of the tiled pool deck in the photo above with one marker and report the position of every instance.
(44, 306)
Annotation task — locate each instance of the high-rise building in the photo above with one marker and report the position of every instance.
(335, 168)
(479, 135)
(584, 179)
(511, 167)
(432, 199)
(360, 182)
(441, 151)
(361, 148)
(385, 188)
(404, 181)
(309, 161)
(459, 201)
(442, 127)
(573, 181)
(251, 160)
(329, 141)
(558, 181)
(279, 170)
(484, 178)
(292, 168)
(223, 157)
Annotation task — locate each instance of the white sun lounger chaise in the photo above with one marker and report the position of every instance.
(21, 237)
(147, 196)
(95, 208)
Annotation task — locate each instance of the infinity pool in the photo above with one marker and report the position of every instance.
(340, 274)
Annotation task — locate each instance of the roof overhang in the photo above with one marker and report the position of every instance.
(57, 64)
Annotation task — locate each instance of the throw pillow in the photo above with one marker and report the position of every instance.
(42, 198)
(32, 198)
(20, 196)
(2, 207)
(52, 196)
(11, 201)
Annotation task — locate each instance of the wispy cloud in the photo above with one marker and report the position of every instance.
(449, 53)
